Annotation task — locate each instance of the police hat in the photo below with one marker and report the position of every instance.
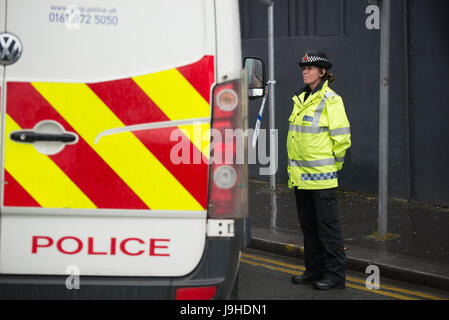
(315, 58)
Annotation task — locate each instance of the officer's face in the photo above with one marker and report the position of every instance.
(311, 74)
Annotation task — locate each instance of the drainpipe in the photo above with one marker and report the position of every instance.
(271, 100)
(383, 116)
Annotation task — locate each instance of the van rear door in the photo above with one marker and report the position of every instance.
(95, 112)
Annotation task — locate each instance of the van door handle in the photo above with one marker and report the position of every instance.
(31, 136)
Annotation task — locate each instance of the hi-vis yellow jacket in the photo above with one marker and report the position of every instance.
(318, 137)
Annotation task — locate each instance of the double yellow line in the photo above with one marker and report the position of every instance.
(351, 282)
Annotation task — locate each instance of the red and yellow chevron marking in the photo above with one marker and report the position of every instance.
(129, 170)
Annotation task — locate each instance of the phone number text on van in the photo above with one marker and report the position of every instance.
(56, 17)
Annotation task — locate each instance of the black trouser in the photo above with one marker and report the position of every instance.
(324, 254)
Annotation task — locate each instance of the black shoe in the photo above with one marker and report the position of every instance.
(327, 284)
(304, 279)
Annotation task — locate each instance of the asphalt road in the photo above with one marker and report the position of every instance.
(265, 276)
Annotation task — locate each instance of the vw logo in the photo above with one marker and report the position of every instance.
(10, 48)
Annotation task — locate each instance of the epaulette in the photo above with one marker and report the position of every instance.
(332, 97)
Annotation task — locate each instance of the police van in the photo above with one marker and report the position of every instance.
(107, 114)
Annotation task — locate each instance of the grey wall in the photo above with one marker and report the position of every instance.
(429, 105)
(419, 111)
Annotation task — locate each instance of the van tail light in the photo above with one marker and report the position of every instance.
(198, 293)
(228, 170)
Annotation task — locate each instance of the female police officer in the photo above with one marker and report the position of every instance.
(317, 141)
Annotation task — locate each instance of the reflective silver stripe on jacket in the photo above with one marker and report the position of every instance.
(340, 159)
(313, 163)
(306, 129)
(315, 127)
(320, 108)
(336, 132)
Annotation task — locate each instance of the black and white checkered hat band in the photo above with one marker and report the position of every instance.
(313, 59)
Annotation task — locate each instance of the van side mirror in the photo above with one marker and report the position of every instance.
(256, 77)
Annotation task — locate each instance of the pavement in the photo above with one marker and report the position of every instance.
(416, 250)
